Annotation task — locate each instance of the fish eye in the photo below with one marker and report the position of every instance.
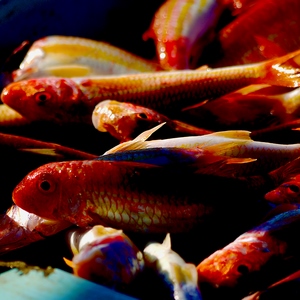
(243, 269)
(46, 185)
(293, 188)
(42, 97)
(142, 116)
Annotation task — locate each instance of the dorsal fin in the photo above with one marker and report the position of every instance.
(135, 143)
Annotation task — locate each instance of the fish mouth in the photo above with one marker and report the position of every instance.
(12, 94)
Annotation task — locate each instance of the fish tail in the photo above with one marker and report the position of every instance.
(283, 70)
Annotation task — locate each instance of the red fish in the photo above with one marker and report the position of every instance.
(105, 255)
(287, 192)
(120, 194)
(269, 28)
(253, 107)
(287, 184)
(177, 27)
(73, 100)
(122, 120)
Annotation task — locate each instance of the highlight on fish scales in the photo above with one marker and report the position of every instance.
(130, 195)
(74, 99)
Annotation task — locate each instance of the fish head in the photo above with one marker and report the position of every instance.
(41, 98)
(40, 192)
(122, 120)
(111, 259)
(232, 264)
(287, 192)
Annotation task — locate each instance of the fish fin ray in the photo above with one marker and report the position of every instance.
(136, 143)
(69, 262)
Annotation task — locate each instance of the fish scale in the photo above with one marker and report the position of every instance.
(127, 195)
(73, 100)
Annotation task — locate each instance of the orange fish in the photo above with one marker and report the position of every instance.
(123, 120)
(250, 252)
(74, 99)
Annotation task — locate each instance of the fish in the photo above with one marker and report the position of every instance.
(201, 161)
(104, 255)
(19, 228)
(20, 143)
(287, 192)
(122, 120)
(265, 30)
(180, 277)
(242, 260)
(253, 107)
(74, 99)
(70, 56)
(131, 195)
(256, 157)
(177, 27)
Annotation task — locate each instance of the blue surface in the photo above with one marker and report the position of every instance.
(58, 285)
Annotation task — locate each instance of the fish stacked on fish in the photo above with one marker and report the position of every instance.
(104, 255)
(150, 186)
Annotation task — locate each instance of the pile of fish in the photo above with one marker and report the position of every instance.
(199, 149)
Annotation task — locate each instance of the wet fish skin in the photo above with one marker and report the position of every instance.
(251, 251)
(70, 56)
(122, 120)
(19, 228)
(73, 100)
(128, 195)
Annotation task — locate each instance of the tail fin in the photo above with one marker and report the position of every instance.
(283, 70)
